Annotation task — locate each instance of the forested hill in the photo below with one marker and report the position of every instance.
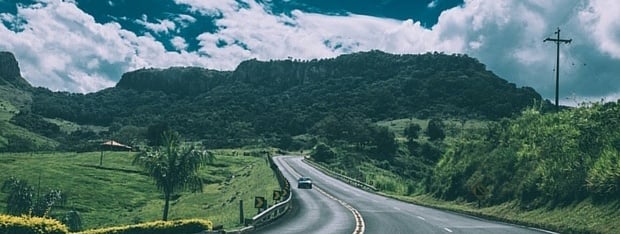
(287, 98)
(178, 80)
(407, 84)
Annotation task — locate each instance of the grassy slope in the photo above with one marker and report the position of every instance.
(69, 127)
(118, 196)
(583, 217)
(18, 98)
(7, 110)
(11, 100)
(7, 129)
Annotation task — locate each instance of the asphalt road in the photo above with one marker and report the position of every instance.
(316, 212)
(312, 212)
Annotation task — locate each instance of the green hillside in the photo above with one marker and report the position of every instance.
(559, 171)
(268, 102)
(15, 98)
(119, 194)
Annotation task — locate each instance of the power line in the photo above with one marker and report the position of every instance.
(557, 66)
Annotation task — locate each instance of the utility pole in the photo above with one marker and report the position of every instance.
(557, 66)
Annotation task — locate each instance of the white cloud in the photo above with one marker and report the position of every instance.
(212, 8)
(602, 18)
(162, 26)
(61, 47)
(179, 43)
(184, 20)
(433, 4)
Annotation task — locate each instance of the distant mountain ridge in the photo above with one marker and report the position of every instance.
(179, 80)
(9, 71)
(269, 100)
(421, 82)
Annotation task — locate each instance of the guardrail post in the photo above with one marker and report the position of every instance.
(241, 218)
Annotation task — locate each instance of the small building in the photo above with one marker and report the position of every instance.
(112, 146)
(115, 146)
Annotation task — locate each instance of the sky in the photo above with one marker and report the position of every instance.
(86, 45)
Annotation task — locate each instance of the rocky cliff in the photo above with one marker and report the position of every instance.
(178, 80)
(9, 71)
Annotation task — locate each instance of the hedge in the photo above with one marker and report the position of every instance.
(188, 226)
(30, 225)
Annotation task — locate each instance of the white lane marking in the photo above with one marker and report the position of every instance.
(543, 230)
(360, 226)
(422, 218)
(447, 229)
(396, 208)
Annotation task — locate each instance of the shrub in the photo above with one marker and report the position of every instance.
(30, 225)
(158, 227)
(323, 153)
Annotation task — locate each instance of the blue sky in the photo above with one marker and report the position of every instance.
(86, 45)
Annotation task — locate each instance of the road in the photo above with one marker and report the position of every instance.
(316, 212)
(312, 212)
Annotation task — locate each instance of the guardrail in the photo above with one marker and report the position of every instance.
(344, 178)
(274, 211)
(279, 208)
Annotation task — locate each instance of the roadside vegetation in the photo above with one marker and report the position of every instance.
(553, 170)
(118, 193)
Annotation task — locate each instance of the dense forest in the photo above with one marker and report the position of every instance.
(272, 102)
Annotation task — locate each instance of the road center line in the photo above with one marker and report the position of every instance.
(360, 226)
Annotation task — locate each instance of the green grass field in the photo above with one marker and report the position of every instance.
(69, 127)
(117, 194)
(451, 126)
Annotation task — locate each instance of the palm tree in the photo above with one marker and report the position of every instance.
(174, 166)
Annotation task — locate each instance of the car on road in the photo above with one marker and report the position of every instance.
(304, 183)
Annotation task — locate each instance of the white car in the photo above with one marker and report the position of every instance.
(304, 183)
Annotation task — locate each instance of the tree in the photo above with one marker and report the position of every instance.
(323, 153)
(174, 166)
(155, 133)
(435, 130)
(22, 198)
(412, 131)
(130, 134)
(384, 142)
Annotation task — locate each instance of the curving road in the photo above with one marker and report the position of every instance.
(311, 212)
(315, 212)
